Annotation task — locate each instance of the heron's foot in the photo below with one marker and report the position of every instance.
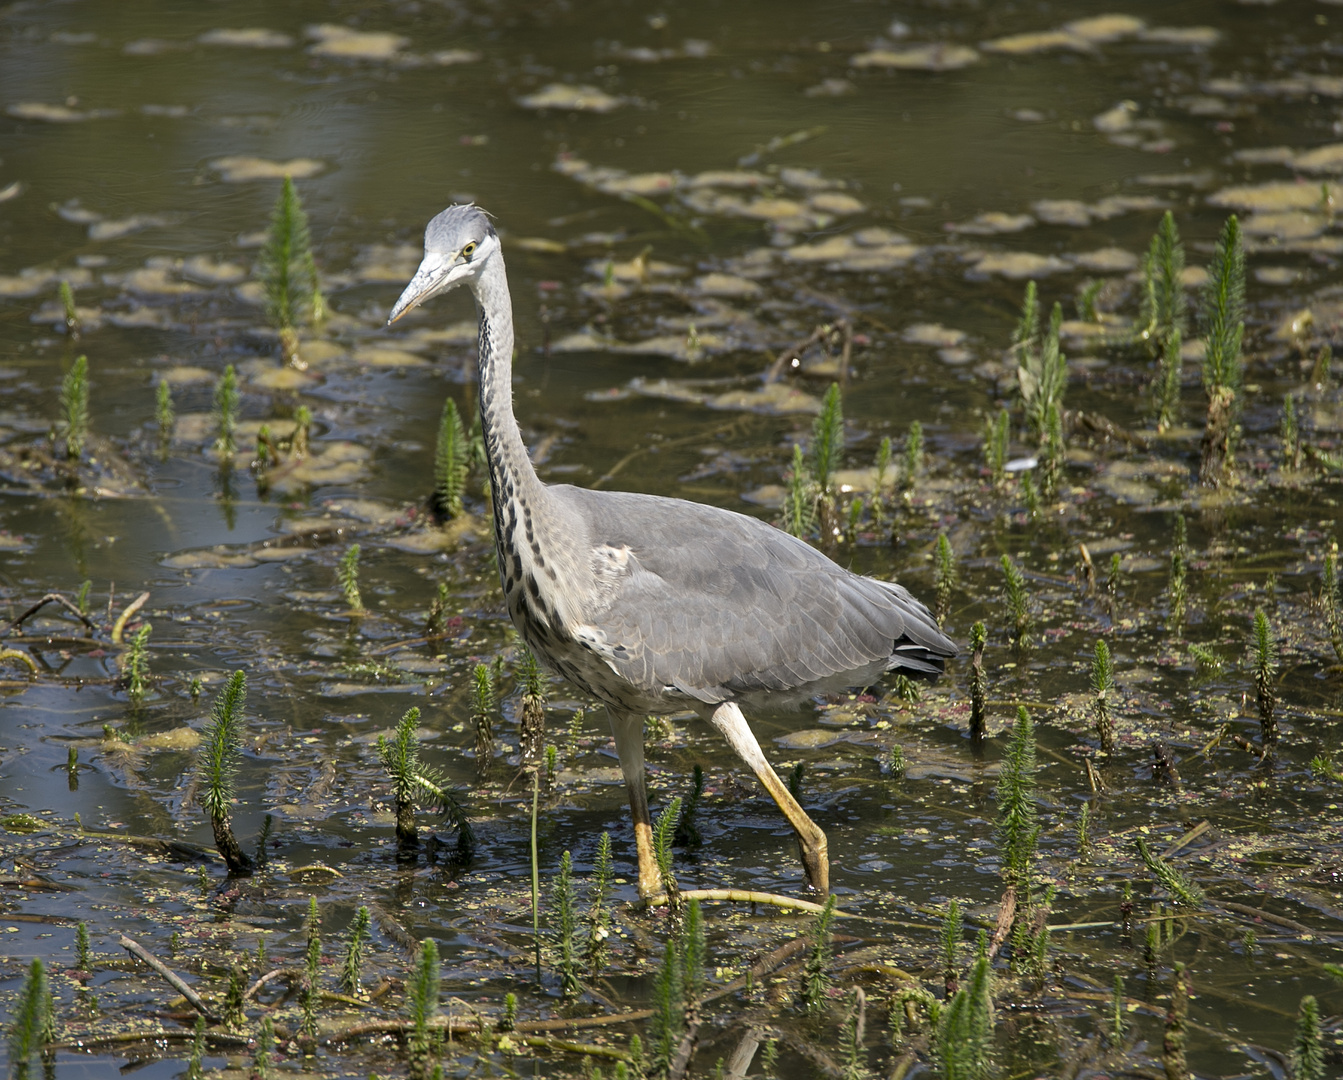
(816, 863)
(650, 878)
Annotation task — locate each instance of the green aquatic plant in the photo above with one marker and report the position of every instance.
(1102, 683)
(1014, 592)
(301, 438)
(1163, 311)
(482, 714)
(75, 407)
(136, 666)
(1308, 1046)
(963, 1041)
(687, 832)
(71, 313)
(508, 1020)
(694, 958)
(312, 962)
(195, 1068)
(1265, 669)
(83, 961)
(851, 1038)
(289, 273)
(565, 924)
(232, 1012)
(1086, 301)
(815, 973)
(452, 462)
(799, 501)
(1084, 830)
(944, 576)
(263, 1056)
(1329, 600)
(226, 402)
(668, 1018)
(905, 689)
(895, 762)
(33, 1021)
(664, 830)
(1030, 496)
(1179, 567)
(880, 482)
(795, 775)
(217, 765)
(1166, 385)
(979, 683)
(82, 597)
(1118, 1025)
(414, 782)
(997, 438)
(1319, 374)
(1052, 451)
(164, 417)
(352, 969)
(952, 928)
(599, 916)
(1223, 317)
(1026, 335)
(1173, 1045)
(422, 990)
(1181, 889)
(914, 450)
(827, 440)
(1042, 373)
(1018, 827)
(347, 575)
(532, 725)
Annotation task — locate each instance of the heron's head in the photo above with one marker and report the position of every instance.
(458, 244)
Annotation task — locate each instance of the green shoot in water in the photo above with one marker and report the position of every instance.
(34, 1021)
(1333, 607)
(226, 401)
(352, 969)
(436, 622)
(1265, 669)
(1018, 825)
(668, 1010)
(1308, 1046)
(944, 576)
(1042, 374)
(298, 443)
(1163, 303)
(195, 1070)
(69, 310)
(1102, 683)
(1319, 375)
(75, 407)
(1290, 434)
(1179, 559)
(137, 664)
(799, 502)
(687, 833)
(82, 597)
(880, 481)
(164, 417)
(482, 714)
(1223, 318)
(694, 956)
(1182, 890)
(424, 1039)
(532, 728)
(509, 1019)
(1014, 591)
(452, 462)
(997, 438)
(1086, 301)
(851, 1037)
(951, 948)
(347, 574)
(599, 917)
(1166, 386)
(913, 455)
(216, 766)
(263, 1057)
(895, 762)
(289, 273)
(1173, 1058)
(1052, 451)
(815, 977)
(565, 924)
(978, 682)
(905, 689)
(827, 440)
(963, 1041)
(82, 959)
(232, 1013)
(1030, 496)
(1026, 336)
(415, 782)
(663, 832)
(1118, 1014)
(1084, 830)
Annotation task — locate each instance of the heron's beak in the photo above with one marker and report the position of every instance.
(428, 280)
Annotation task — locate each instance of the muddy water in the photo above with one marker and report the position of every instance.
(770, 167)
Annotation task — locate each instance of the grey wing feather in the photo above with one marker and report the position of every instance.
(717, 604)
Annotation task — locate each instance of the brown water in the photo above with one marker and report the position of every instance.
(119, 124)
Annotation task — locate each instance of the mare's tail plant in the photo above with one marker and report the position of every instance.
(827, 450)
(288, 272)
(1163, 303)
(137, 664)
(687, 832)
(1166, 387)
(352, 969)
(482, 714)
(664, 829)
(1179, 566)
(312, 993)
(164, 417)
(599, 917)
(944, 576)
(1265, 669)
(1223, 318)
(1014, 591)
(69, 310)
(1042, 369)
(452, 462)
(799, 501)
(979, 683)
(1018, 825)
(414, 782)
(963, 1041)
(1177, 1027)
(1290, 432)
(75, 407)
(1102, 682)
(668, 1010)
(1333, 607)
(565, 925)
(882, 466)
(951, 948)
(997, 435)
(347, 574)
(1181, 889)
(815, 977)
(216, 766)
(226, 403)
(34, 1021)
(424, 1039)
(1308, 1046)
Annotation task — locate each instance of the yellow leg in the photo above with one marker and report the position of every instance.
(628, 729)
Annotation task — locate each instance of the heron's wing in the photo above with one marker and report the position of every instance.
(717, 604)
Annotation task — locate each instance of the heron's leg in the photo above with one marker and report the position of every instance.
(727, 718)
(628, 728)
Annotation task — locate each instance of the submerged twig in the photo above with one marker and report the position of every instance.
(175, 980)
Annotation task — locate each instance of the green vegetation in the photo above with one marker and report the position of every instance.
(217, 765)
(1308, 1047)
(452, 462)
(1179, 560)
(1014, 592)
(1018, 821)
(226, 402)
(963, 1042)
(1329, 600)
(1102, 683)
(482, 714)
(33, 1021)
(414, 782)
(1163, 309)
(944, 576)
(664, 830)
(1177, 1027)
(347, 574)
(75, 407)
(827, 452)
(532, 731)
(1166, 386)
(1042, 369)
(815, 977)
(913, 455)
(164, 417)
(1223, 319)
(1265, 669)
(687, 833)
(1181, 889)
(71, 313)
(599, 916)
(997, 437)
(1290, 433)
(565, 922)
(136, 665)
(978, 681)
(289, 273)
(352, 969)
(425, 1039)
(799, 503)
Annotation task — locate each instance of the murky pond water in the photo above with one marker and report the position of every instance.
(685, 195)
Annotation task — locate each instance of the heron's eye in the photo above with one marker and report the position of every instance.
(469, 250)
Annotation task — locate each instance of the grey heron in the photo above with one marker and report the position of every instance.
(655, 605)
